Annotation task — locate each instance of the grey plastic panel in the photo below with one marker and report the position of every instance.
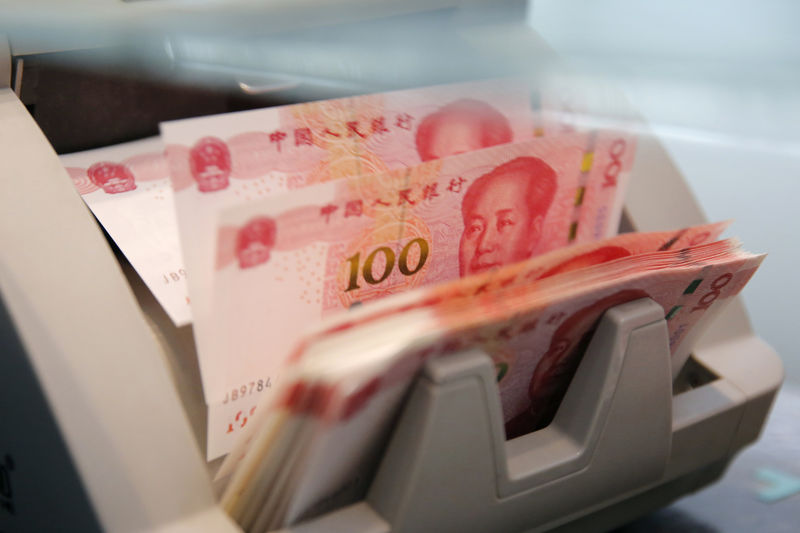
(5, 62)
(753, 368)
(448, 467)
(36, 470)
(619, 446)
(599, 392)
(97, 362)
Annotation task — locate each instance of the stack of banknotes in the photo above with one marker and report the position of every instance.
(321, 433)
(324, 251)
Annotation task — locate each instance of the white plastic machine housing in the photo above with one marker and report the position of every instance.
(101, 411)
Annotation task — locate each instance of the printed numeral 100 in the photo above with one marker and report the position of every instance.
(368, 273)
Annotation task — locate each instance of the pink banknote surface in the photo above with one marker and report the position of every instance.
(227, 160)
(538, 337)
(285, 263)
(537, 353)
(559, 261)
(128, 189)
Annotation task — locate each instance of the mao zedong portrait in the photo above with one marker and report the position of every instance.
(461, 126)
(558, 364)
(503, 213)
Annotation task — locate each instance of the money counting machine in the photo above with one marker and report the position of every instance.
(101, 413)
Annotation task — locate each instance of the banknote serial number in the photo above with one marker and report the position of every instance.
(367, 270)
(174, 277)
(247, 389)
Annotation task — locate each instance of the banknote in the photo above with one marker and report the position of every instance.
(284, 263)
(127, 187)
(539, 330)
(236, 158)
(559, 261)
(537, 352)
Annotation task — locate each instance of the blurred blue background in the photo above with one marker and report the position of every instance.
(719, 84)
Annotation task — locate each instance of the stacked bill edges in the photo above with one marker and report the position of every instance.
(533, 318)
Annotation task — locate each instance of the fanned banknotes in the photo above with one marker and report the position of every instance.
(510, 278)
(286, 262)
(345, 382)
(230, 161)
(226, 160)
(128, 189)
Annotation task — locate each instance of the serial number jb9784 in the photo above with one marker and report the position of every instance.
(247, 389)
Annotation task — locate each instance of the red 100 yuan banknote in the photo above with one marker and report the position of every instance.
(235, 158)
(286, 262)
(345, 385)
(127, 187)
(559, 261)
(465, 292)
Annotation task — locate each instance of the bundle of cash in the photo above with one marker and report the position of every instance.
(388, 192)
(287, 215)
(316, 441)
(333, 247)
